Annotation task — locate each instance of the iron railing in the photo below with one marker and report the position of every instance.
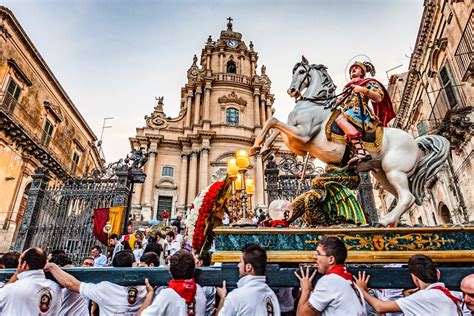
(464, 54)
(283, 177)
(441, 106)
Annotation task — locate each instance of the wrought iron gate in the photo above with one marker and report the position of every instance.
(60, 215)
(283, 177)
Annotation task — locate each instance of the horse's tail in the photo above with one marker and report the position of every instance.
(436, 150)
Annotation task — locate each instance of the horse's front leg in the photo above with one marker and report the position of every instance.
(261, 136)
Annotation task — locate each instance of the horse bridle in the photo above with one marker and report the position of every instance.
(317, 100)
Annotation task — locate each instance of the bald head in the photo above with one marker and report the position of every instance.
(467, 287)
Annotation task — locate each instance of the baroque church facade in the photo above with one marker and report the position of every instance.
(223, 107)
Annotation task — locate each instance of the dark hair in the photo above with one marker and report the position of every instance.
(124, 258)
(256, 255)
(137, 242)
(334, 247)
(206, 259)
(126, 245)
(113, 236)
(171, 234)
(88, 258)
(35, 258)
(423, 268)
(97, 247)
(158, 234)
(182, 265)
(57, 252)
(10, 259)
(61, 260)
(149, 258)
(151, 239)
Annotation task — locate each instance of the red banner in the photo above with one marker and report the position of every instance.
(101, 215)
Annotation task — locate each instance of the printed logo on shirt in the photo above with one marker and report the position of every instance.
(191, 308)
(269, 306)
(45, 300)
(132, 295)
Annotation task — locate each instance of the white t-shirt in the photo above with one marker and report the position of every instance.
(31, 294)
(114, 299)
(334, 295)
(428, 302)
(173, 247)
(73, 304)
(252, 297)
(169, 302)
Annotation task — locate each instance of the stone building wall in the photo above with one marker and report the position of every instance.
(39, 125)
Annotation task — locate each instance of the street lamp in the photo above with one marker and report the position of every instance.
(242, 162)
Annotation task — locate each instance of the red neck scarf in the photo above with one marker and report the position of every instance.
(447, 293)
(341, 271)
(185, 288)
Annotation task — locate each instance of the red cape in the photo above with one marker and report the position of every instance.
(384, 109)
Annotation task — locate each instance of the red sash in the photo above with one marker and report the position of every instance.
(187, 290)
(341, 271)
(447, 293)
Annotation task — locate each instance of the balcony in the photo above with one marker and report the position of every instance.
(21, 124)
(464, 55)
(229, 77)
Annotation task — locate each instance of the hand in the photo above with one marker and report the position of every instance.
(362, 281)
(306, 281)
(360, 89)
(409, 292)
(222, 291)
(149, 288)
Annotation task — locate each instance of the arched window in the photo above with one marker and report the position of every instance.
(231, 67)
(232, 116)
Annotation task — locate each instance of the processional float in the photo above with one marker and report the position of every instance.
(317, 127)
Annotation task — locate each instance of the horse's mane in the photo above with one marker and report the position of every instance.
(329, 88)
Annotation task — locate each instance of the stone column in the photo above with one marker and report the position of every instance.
(256, 107)
(188, 109)
(269, 111)
(207, 99)
(192, 177)
(149, 180)
(259, 179)
(197, 105)
(221, 61)
(241, 58)
(263, 113)
(208, 61)
(182, 181)
(203, 168)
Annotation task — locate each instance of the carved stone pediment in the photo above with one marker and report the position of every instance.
(232, 98)
(54, 110)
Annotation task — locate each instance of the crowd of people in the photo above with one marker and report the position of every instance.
(337, 292)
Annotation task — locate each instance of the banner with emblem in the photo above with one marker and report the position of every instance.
(114, 215)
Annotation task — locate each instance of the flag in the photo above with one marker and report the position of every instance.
(101, 216)
(114, 215)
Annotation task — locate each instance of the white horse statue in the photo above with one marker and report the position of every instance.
(402, 166)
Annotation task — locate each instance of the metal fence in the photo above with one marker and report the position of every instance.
(283, 177)
(60, 215)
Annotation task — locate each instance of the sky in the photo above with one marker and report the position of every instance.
(114, 57)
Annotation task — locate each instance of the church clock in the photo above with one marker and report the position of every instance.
(232, 43)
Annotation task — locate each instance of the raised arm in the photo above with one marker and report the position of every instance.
(379, 305)
(65, 279)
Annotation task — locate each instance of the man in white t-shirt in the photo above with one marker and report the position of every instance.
(253, 296)
(28, 292)
(111, 298)
(182, 297)
(431, 298)
(173, 244)
(334, 293)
